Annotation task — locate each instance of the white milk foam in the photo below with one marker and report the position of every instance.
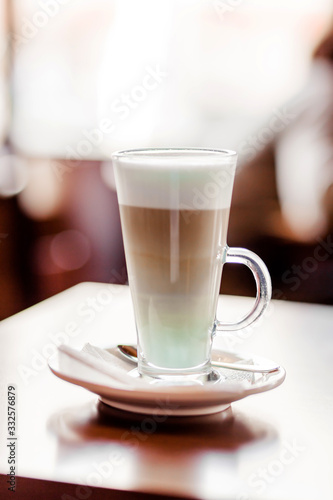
(188, 184)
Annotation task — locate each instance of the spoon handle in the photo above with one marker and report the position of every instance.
(247, 368)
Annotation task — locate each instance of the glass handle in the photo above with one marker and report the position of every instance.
(263, 282)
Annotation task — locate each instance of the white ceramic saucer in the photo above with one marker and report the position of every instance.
(171, 400)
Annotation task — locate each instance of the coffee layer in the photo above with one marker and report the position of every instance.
(168, 186)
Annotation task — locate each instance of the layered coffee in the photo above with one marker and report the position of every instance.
(174, 206)
(174, 214)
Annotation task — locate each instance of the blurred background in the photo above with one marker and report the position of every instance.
(80, 79)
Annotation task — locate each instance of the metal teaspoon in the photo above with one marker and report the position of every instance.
(130, 353)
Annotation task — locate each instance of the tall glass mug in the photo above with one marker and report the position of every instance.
(174, 208)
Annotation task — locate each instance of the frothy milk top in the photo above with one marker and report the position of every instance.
(185, 179)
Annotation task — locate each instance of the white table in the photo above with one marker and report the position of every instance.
(278, 445)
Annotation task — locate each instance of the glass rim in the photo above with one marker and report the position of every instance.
(185, 155)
